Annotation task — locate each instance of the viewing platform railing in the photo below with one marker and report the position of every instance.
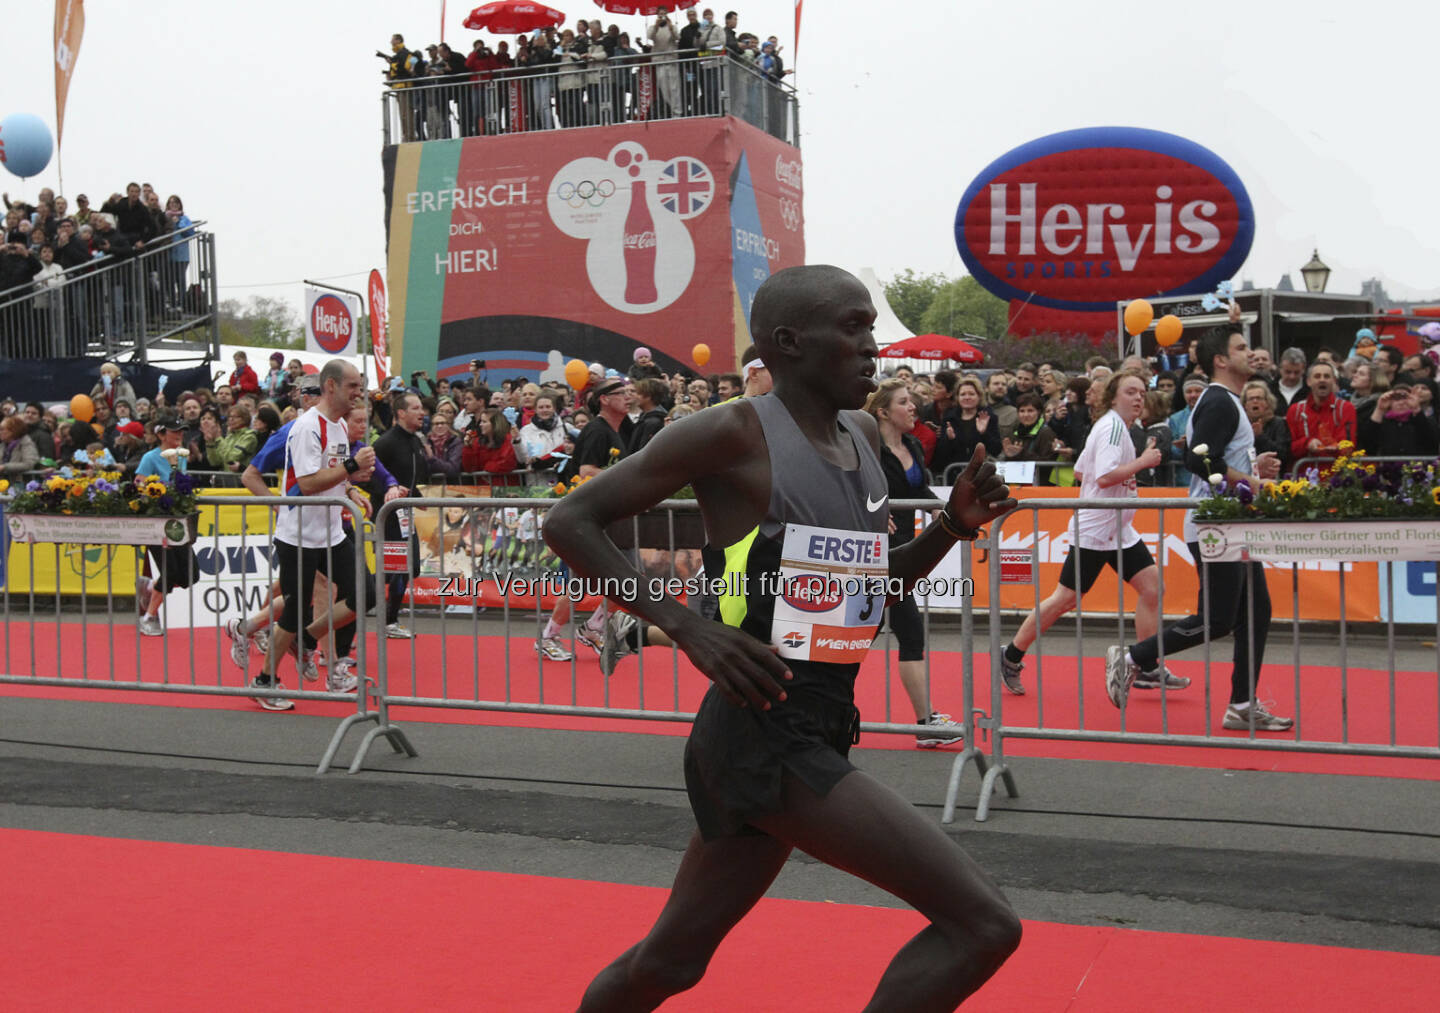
(626, 89)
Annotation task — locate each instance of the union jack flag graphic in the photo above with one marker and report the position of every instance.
(685, 187)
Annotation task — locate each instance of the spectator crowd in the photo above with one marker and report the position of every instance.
(51, 246)
(584, 75)
(525, 433)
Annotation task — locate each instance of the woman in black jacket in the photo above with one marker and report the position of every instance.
(904, 463)
(965, 426)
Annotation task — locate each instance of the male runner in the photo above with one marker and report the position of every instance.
(1107, 468)
(1219, 439)
(791, 489)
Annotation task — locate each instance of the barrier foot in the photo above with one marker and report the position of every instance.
(957, 768)
(393, 735)
(339, 735)
(987, 789)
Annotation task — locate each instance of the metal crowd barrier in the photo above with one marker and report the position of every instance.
(567, 94)
(1305, 463)
(1000, 728)
(510, 676)
(109, 306)
(1167, 474)
(111, 657)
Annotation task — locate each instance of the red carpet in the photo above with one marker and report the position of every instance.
(111, 924)
(472, 669)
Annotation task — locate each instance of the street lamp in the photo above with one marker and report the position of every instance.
(1315, 273)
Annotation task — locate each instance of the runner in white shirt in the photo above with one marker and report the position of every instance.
(310, 537)
(1107, 468)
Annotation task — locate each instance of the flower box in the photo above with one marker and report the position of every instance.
(1296, 541)
(99, 530)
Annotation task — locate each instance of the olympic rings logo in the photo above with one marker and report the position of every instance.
(790, 213)
(593, 193)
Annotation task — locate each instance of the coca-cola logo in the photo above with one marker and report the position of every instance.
(331, 323)
(787, 171)
(639, 240)
(1081, 219)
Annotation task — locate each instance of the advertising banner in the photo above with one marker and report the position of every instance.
(1066, 225)
(525, 253)
(69, 30)
(331, 322)
(1319, 584)
(378, 309)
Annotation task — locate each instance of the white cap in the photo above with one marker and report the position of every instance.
(750, 367)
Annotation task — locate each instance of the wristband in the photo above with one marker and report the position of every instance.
(351, 466)
(955, 531)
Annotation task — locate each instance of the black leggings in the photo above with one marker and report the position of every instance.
(297, 578)
(908, 627)
(1230, 586)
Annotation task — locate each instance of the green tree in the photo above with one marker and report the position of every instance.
(262, 322)
(963, 307)
(910, 295)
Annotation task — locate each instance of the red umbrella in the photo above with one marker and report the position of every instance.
(932, 346)
(645, 7)
(511, 17)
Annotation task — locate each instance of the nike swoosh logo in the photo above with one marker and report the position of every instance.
(872, 505)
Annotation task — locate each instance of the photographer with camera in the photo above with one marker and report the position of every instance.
(1398, 427)
(400, 68)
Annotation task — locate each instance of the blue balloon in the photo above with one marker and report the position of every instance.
(25, 144)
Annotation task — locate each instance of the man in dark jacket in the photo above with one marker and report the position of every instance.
(401, 450)
(649, 396)
(133, 218)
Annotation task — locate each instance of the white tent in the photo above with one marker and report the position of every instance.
(888, 328)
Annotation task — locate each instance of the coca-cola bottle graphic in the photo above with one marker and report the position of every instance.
(639, 249)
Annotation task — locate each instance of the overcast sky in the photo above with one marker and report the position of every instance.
(265, 118)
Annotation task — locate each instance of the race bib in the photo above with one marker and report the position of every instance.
(830, 593)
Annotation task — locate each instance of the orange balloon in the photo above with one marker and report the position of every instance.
(1138, 316)
(577, 374)
(700, 353)
(82, 409)
(1168, 330)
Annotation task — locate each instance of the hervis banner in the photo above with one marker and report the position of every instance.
(1066, 225)
(331, 322)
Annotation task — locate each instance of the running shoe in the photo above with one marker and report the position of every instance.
(150, 626)
(1151, 680)
(593, 639)
(143, 586)
(616, 646)
(947, 732)
(260, 641)
(239, 643)
(305, 663)
(270, 703)
(397, 632)
(551, 649)
(1010, 674)
(342, 676)
(1239, 721)
(1119, 675)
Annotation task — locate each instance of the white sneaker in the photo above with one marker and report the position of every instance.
(305, 663)
(551, 649)
(397, 632)
(592, 639)
(271, 703)
(1119, 675)
(342, 676)
(143, 587)
(150, 626)
(260, 641)
(615, 647)
(947, 732)
(1238, 720)
(239, 643)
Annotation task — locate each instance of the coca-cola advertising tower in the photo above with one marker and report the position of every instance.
(532, 249)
